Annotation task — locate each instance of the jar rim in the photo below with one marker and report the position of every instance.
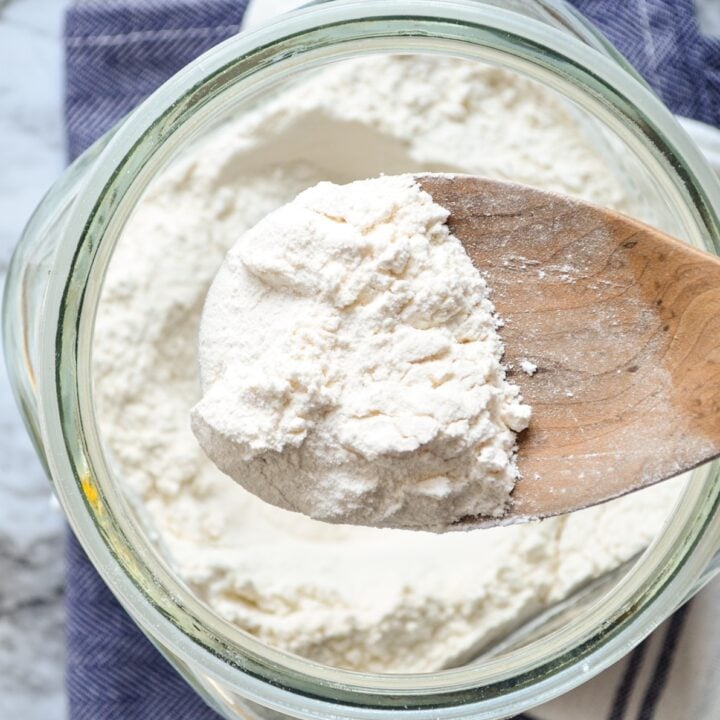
(268, 675)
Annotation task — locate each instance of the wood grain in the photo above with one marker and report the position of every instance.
(623, 323)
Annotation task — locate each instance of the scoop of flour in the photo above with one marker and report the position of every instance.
(351, 366)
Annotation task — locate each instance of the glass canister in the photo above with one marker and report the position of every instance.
(55, 283)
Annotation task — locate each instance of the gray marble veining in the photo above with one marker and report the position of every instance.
(709, 16)
(31, 527)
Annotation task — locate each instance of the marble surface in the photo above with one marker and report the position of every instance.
(31, 527)
(709, 15)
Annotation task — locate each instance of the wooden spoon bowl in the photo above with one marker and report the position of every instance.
(623, 323)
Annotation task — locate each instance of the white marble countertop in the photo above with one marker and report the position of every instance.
(31, 527)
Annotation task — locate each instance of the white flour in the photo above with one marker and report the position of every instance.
(362, 598)
(351, 365)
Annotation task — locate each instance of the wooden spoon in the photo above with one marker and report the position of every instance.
(623, 323)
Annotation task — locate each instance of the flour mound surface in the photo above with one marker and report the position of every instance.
(351, 365)
(389, 601)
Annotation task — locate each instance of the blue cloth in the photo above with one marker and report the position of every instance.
(118, 51)
(662, 40)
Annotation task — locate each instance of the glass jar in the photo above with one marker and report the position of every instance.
(54, 287)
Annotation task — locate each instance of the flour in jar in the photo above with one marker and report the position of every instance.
(360, 598)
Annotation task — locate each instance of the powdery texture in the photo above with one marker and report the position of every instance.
(351, 364)
(362, 598)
